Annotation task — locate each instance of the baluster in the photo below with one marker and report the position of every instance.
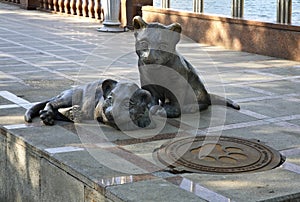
(61, 6)
(91, 9)
(55, 6)
(45, 4)
(18, 1)
(79, 7)
(97, 9)
(85, 10)
(50, 5)
(73, 7)
(67, 6)
(41, 4)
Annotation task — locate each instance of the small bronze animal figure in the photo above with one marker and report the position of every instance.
(121, 105)
(171, 79)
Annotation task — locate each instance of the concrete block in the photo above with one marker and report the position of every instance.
(59, 186)
(3, 168)
(85, 166)
(91, 195)
(274, 107)
(23, 174)
(274, 185)
(277, 137)
(151, 190)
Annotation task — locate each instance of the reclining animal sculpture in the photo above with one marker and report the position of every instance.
(122, 105)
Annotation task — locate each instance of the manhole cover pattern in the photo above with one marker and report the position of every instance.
(217, 155)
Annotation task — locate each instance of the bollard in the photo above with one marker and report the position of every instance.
(198, 6)
(237, 8)
(111, 21)
(165, 3)
(284, 11)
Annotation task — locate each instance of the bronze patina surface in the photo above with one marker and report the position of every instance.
(217, 155)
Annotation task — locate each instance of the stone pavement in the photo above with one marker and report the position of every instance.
(42, 54)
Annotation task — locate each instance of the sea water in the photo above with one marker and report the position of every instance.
(259, 10)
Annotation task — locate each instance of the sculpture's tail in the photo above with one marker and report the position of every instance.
(218, 100)
(34, 111)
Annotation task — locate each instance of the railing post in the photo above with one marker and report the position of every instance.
(284, 11)
(165, 3)
(237, 8)
(198, 6)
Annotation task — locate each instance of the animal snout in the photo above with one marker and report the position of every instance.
(150, 56)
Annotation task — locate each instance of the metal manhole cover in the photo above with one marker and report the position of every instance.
(218, 155)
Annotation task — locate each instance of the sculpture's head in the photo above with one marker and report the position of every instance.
(155, 42)
(124, 106)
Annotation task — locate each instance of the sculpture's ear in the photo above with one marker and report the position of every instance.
(107, 86)
(139, 23)
(175, 27)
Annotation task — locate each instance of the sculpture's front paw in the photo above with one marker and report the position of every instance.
(47, 116)
(73, 113)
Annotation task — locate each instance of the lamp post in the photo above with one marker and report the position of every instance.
(111, 21)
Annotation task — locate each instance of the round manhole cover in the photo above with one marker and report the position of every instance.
(217, 155)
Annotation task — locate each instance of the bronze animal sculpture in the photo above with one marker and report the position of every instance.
(121, 105)
(167, 75)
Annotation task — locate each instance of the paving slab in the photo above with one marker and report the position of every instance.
(89, 161)
(152, 190)
(276, 185)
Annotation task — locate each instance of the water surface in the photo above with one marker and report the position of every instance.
(253, 9)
